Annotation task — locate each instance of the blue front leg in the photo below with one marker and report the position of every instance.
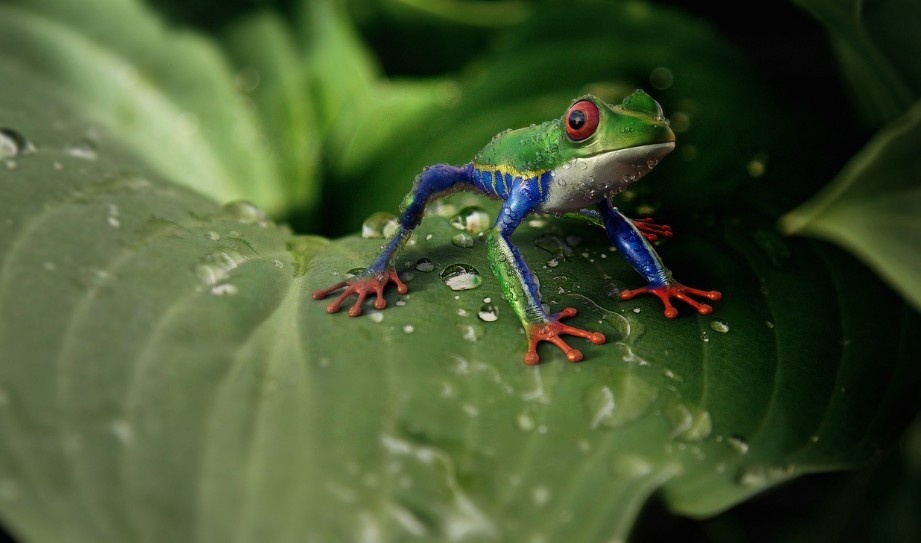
(637, 250)
(434, 182)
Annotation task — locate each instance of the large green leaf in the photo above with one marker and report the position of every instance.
(876, 51)
(167, 94)
(165, 375)
(871, 208)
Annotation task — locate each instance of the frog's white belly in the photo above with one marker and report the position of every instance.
(583, 182)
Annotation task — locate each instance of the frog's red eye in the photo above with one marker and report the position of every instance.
(581, 120)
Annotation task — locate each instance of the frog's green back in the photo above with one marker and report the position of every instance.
(528, 151)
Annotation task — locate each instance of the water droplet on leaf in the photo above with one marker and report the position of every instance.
(472, 332)
(246, 212)
(12, 144)
(462, 240)
(461, 277)
(738, 444)
(83, 148)
(488, 313)
(214, 269)
(473, 219)
(380, 225)
(692, 424)
(425, 265)
(719, 325)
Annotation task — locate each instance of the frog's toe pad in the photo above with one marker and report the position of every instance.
(361, 286)
(678, 291)
(551, 330)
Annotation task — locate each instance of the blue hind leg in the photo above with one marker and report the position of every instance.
(637, 250)
(434, 182)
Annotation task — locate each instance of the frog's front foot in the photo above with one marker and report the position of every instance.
(362, 285)
(677, 291)
(651, 230)
(551, 331)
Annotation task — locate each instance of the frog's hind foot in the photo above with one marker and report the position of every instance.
(551, 331)
(362, 285)
(679, 292)
(651, 230)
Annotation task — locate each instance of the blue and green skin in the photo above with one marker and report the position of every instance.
(568, 166)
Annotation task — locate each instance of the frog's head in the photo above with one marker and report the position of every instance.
(592, 127)
(603, 149)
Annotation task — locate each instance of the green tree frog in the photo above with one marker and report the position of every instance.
(573, 164)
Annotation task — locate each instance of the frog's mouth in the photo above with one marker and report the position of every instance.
(585, 181)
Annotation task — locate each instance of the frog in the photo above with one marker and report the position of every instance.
(571, 166)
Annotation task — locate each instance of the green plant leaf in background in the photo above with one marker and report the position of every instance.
(166, 93)
(872, 208)
(876, 51)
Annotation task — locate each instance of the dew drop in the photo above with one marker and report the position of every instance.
(540, 495)
(704, 336)
(719, 325)
(409, 329)
(525, 422)
(738, 444)
(630, 465)
(425, 265)
(84, 149)
(756, 476)
(376, 317)
(380, 225)
(473, 219)
(213, 236)
(472, 332)
(620, 402)
(112, 218)
(691, 424)
(123, 431)
(97, 278)
(214, 269)
(488, 313)
(246, 212)
(12, 144)
(462, 240)
(224, 289)
(461, 277)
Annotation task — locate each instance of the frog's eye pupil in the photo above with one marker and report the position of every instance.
(577, 119)
(581, 120)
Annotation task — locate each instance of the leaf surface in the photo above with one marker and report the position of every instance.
(165, 375)
(165, 93)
